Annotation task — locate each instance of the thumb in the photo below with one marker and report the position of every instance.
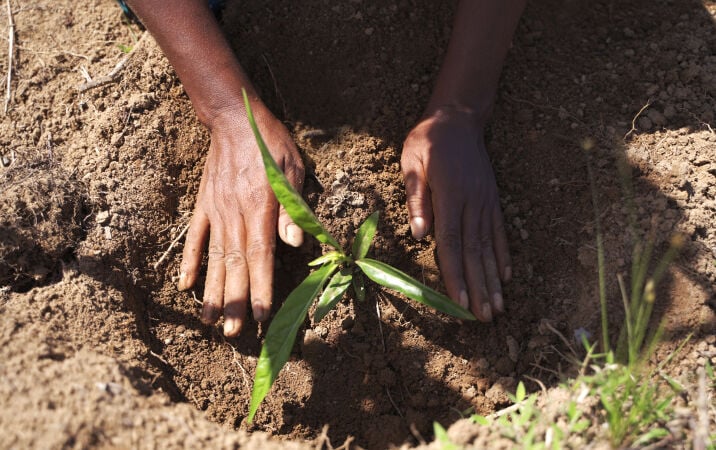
(288, 231)
(420, 207)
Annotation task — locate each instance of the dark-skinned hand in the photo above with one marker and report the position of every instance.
(449, 181)
(236, 209)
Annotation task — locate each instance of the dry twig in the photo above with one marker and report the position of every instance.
(633, 121)
(111, 77)
(387, 391)
(11, 43)
(171, 246)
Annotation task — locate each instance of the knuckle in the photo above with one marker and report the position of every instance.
(234, 260)
(216, 252)
(260, 250)
(449, 239)
(473, 246)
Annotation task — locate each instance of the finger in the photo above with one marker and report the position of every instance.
(289, 232)
(193, 249)
(420, 208)
(473, 247)
(449, 243)
(215, 277)
(236, 286)
(260, 248)
(502, 250)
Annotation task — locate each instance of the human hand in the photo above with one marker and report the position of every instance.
(449, 180)
(236, 209)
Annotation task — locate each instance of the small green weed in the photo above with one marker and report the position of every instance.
(338, 269)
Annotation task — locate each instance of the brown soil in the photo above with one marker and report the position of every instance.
(97, 347)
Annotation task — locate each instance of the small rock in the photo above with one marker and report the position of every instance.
(108, 233)
(321, 331)
(103, 217)
(368, 31)
(117, 140)
(524, 234)
(5, 161)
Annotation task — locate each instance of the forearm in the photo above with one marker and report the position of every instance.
(481, 36)
(192, 40)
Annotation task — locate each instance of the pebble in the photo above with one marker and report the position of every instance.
(524, 234)
(103, 217)
(117, 140)
(5, 161)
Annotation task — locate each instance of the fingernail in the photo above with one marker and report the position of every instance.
(294, 236)
(181, 285)
(259, 312)
(229, 326)
(498, 302)
(209, 314)
(486, 311)
(508, 273)
(464, 300)
(418, 227)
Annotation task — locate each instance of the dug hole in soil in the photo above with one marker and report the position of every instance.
(98, 348)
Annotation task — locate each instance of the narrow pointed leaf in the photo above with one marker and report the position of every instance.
(364, 236)
(333, 293)
(333, 256)
(359, 286)
(282, 333)
(393, 278)
(291, 200)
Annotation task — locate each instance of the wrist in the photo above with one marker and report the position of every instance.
(473, 117)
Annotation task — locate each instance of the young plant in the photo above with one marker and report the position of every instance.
(337, 271)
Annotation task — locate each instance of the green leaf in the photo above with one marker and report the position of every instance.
(442, 437)
(651, 435)
(393, 278)
(332, 256)
(580, 426)
(364, 236)
(359, 286)
(291, 200)
(480, 420)
(521, 392)
(333, 292)
(282, 333)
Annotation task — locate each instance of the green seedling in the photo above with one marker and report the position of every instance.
(337, 271)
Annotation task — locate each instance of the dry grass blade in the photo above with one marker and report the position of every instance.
(114, 73)
(171, 246)
(11, 44)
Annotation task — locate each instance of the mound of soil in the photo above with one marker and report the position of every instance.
(41, 224)
(100, 349)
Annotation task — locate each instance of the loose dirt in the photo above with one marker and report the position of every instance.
(97, 347)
